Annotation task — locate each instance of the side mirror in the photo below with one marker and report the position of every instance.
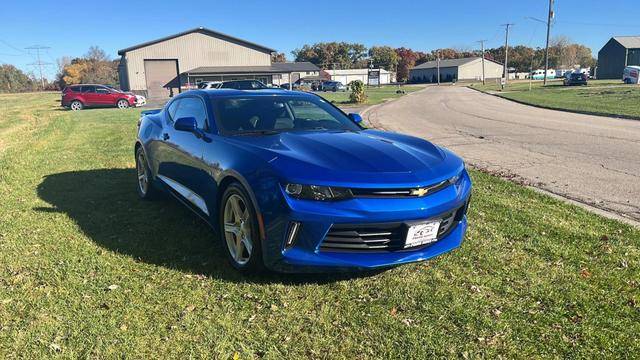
(355, 117)
(187, 124)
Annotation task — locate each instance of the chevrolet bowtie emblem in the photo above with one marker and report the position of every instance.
(419, 191)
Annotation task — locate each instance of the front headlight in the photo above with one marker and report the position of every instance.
(316, 192)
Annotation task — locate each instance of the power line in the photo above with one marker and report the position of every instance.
(39, 63)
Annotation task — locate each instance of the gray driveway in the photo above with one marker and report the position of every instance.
(590, 159)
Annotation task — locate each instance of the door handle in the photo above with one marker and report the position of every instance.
(165, 136)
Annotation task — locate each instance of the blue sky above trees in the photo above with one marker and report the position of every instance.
(286, 25)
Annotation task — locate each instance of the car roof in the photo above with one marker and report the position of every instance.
(218, 93)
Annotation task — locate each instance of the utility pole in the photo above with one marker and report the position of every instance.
(438, 66)
(506, 53)
(546, 49)
(482, 46)
(38, 62)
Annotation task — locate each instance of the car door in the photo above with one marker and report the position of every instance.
(181, 166)
(105, 96)
(89, 95)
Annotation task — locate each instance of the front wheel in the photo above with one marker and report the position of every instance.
(239, 230)
(122, 104)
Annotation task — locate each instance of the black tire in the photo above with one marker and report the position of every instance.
(122, 104)
(76, 105)
(254, 264)
(148, 192)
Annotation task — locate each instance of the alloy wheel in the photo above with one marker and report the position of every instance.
(143, 177)
(75, 106)
(122, 104)
(237, 229)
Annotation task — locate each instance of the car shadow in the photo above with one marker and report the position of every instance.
(106, 207)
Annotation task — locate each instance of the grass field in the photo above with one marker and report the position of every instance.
(375, 95)
(603, 97)
(87, 270)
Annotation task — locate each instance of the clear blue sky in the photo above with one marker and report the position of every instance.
(69, 28)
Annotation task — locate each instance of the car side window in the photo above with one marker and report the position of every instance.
(101, 90)
(88, 89)
(192, 107)
(172, 110)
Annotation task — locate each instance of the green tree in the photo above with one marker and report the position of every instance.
(332, 55)
(384, 57)
(13, 79)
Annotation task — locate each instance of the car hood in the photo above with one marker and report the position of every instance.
(369, 158)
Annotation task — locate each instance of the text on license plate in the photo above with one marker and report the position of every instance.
(421, 234)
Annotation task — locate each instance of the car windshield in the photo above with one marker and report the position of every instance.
(273, 114)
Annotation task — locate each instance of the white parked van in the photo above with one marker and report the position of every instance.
(631, 75)
(539, 74)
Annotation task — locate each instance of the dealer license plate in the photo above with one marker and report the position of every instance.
(421, 234)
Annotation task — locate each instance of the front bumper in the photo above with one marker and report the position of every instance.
(317, 218)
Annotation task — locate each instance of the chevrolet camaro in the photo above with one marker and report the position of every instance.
(291, 183)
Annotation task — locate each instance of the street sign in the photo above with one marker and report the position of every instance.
(374, 77)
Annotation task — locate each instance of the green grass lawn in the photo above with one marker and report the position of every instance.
(603, 97)
(87, 270)
(375, 95)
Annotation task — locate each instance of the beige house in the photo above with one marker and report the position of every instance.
(466, 69)
(161, 67)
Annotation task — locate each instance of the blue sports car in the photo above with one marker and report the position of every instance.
(293, 184)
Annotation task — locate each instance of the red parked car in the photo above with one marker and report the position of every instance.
(77, 97)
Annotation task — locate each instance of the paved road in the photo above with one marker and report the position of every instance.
(591, 159)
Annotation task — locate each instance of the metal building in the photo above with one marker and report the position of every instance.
(171, 64)
(618, 53)
(466, 69)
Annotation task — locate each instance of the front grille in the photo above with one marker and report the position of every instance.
(399, 193)
(383, 237)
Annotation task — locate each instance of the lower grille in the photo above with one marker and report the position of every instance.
(381, 237)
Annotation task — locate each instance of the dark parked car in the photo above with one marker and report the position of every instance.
(332, 86)
(292, 183)
(77, 97)
(575, 79)
(243, 85)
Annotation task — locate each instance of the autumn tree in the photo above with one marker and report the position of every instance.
(94, 67)
(278, 57)
(406, 60)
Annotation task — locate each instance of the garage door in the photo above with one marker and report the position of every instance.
(159, 73)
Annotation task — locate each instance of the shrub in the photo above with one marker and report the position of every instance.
(358, 95)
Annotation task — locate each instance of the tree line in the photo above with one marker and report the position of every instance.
(96, 67)
(563, 53)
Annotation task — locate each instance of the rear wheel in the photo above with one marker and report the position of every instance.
(146, 190)
(122, 104)
(239, 230)
(76, 105)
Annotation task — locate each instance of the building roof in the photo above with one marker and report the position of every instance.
(628, 41)
(275, 68)
(201, 30)
(447, 63)
(354, 71)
